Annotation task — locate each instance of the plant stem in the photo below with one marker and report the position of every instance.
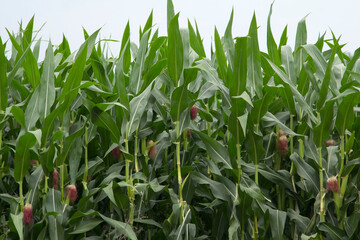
(322, 210)
(62, 169)
(342, 154)
(179, 169)
(185, 139)
(1, 133)
(136, 151)
(86, 158)
(21, 195)
(238, 150)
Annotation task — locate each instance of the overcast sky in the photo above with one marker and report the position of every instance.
(69, 17)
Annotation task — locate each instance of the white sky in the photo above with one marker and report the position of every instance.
(69, 16)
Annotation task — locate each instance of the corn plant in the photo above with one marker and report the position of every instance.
(163, 141)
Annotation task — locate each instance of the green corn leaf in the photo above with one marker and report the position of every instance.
(175, 50)
(300, 40)
(326, 80)
(277, 223)
(18, 223)
(254, 74)
(3, 77)
(86, 226)
(321, 131)
(47, 158)
(318, 59)
(137, 108)
(345, 115)
(331, 231)
(18, 115)
(299, 98)
(74, 78)
(195, 41)
(125, 48)
(170, 12)
(32, 110)
(47, 85)
(300, 221)
(217, 152)
(75, 158)
(104, 120)
(68, 145)
(180, 98)
(261, 106)
(271, 44)
(22, 155)
(147, 27)
(229, 46)
(238, 83)
(220, 58)
(287, 61)
(48, 124)
(349, 67)
(122, 227)
(136, 78)
(307, 172)
(254, 147)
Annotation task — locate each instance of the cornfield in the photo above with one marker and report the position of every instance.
(166, 142)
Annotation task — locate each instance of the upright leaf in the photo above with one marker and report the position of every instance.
(3, 77)
(220, 58)
(180, 98)
(195, 41)
(326, 80)
(170, 12)
(137, 108)
(175, 50)
(321, 131)
(288, 61)
(271, 44)
(345, 115)
(32, 110)
(136, 73)
(254, 74)
(74, 78)
(254, 147)
(300, 40)
(47, 86)
(125, 48)
(229, 46)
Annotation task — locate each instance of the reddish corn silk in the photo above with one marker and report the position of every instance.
(116, 152)
(152, 150)
(188, 133)
(283, 145)
(330, 142)
(55, 179)
(332, 184)
(281, 133)
(34, 162)
(28, 214)
(193, 112)
(71, 192)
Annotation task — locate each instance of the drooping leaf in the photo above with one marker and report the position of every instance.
(216, 151)
(277, 223)
(22, 155)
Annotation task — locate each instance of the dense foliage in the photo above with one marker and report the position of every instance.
(163, 142)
